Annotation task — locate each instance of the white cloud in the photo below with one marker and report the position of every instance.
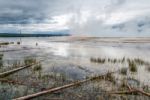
(94, 17)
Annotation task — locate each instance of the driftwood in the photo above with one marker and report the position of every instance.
(61, 87)
(130, 91)
(121, 92)
(141, 92)
(4, 74)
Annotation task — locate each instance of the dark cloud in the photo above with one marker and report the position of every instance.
(29, 11)
(21, 11)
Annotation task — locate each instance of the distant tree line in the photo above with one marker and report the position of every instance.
(31, 35)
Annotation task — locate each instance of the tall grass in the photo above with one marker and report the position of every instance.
(123, 71)
(37, 67)
(98, 60)
(29, 60)
(139, 61)
(132, 66)
(1, 58)
(104, 60)
(148, 68)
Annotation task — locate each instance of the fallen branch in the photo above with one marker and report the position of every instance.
(61, 87)
(129, 87)
(53, 99)
(131, 90)
(4, 74)
(142, 92)
(122, 92)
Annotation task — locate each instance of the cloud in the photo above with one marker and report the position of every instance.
(125, 15)
(93, 17)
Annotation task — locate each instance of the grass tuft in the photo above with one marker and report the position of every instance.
(98, 60)
(139, 61)
(18, 43)
(123, 71)
(37, 67)
(148, 68)
(29, 60)
(132, 66)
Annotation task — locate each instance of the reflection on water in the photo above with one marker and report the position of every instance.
(64, 62)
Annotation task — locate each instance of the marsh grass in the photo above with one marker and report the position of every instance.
(29, 60)
(146, 88)
(148, 68)
(1, 60)
(47, 80)
(132, 66)
(4, 43)
(123, 71)
(109, 60)
(58, 78)
(98, 60)
(123, 85)
(108, 77)
(131, 62)
(1, 63)
(1, 56)
(115, 60)
(139, 61)
(18, 43)
(16, 64)
(111, 78)
(123, 60)
(37, 67)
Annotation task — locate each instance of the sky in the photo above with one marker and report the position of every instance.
(78, 17)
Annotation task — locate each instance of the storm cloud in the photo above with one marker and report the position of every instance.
(91, 17)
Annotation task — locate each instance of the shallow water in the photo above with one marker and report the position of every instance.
(69, 60)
